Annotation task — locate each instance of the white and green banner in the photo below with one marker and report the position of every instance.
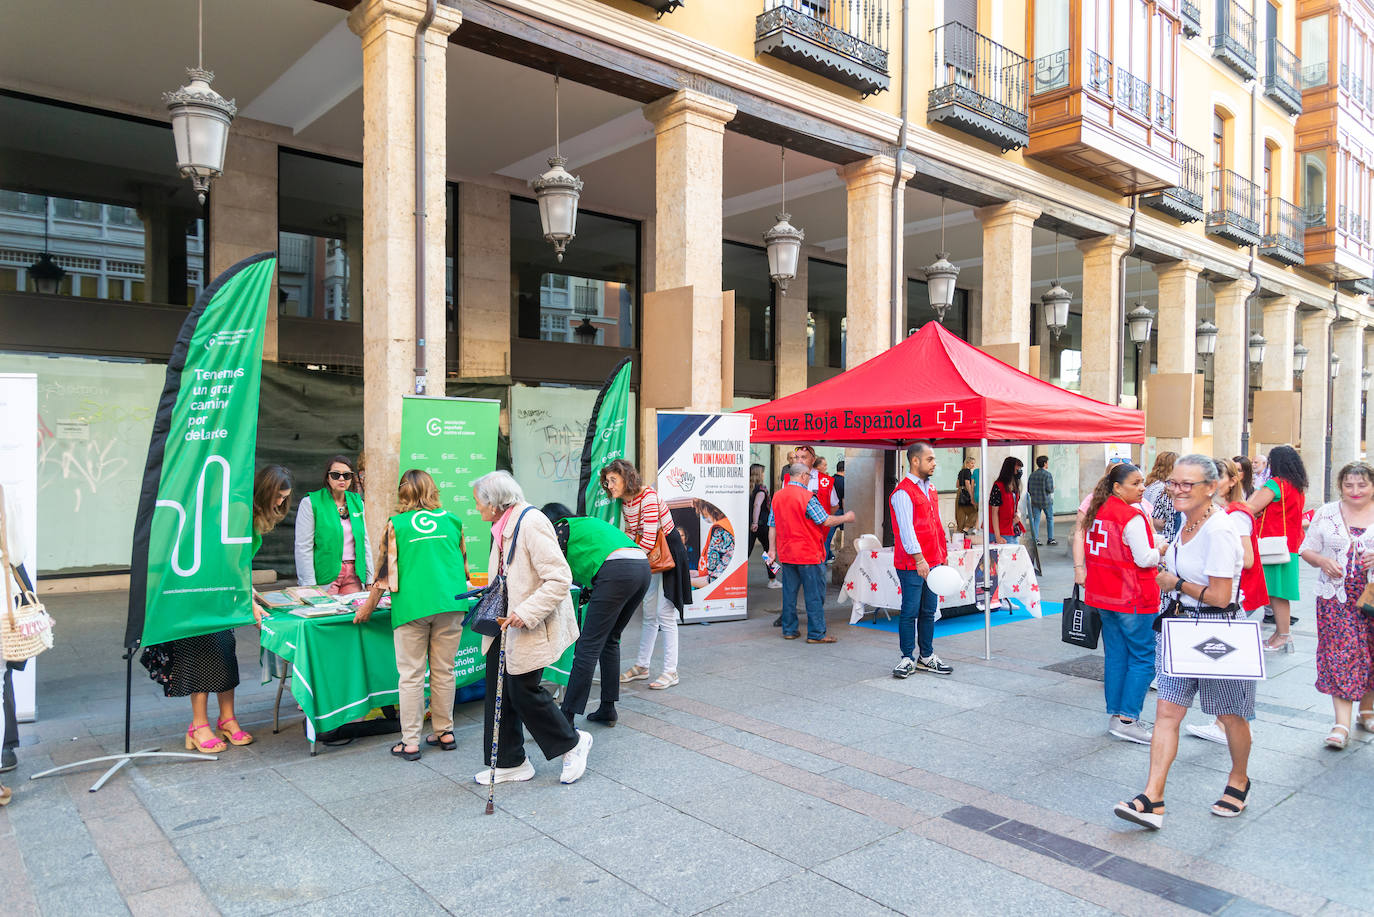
(607, 434)
(190, 572)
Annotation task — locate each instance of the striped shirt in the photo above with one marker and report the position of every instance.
(641, 517)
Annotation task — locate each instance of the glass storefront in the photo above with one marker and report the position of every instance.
(826, 323)
(918, 310)
(320, 238)
(745, 270)
(591, 296)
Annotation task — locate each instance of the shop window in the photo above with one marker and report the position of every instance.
(591, 297)
(745, 270)
(319, 238)
(919, 311)
(826, 323)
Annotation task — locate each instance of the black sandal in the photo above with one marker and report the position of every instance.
(438, 740)
(1149, 815)
(399, 750)
(1224, 807)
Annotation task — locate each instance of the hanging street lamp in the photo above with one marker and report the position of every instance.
(1335, 366)
(1140, 321)
(557, 191)
(1299, 360)
(1206, 336)
(200, 122)
(784, 240)
(46, 273)
(1257, 345)
(1056, 300)
(941, 275)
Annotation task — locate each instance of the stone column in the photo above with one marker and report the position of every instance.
(868, 285)
(1176, 324)
(689, 166)
(484, 279)
(1346, 395)
(1231, 366)
(1007, 275)
(1315, 380)
(243, 212)
(387, 29)
(1101, 337)
(789, 366)
(1280, 327)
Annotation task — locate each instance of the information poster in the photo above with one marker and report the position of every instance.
(703, 476)
(454, 439)
(19, 476)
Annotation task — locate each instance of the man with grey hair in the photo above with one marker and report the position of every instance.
(797, 525)
(919, 545)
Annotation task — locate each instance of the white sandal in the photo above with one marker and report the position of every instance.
(1366, 719)
(1338, 743)
(665, 680)
(634, 673)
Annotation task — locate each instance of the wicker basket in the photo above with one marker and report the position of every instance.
(25, 631)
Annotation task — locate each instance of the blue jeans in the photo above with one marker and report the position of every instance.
(918, 615)
(1128, 648)
(811, 578)
(1035, 511)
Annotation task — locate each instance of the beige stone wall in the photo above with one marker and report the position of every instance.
(1314, 386)
(1231, 365)
(243, 211)
(484, 281)
(1101, 327)
(1007, 276)
(1346, 395)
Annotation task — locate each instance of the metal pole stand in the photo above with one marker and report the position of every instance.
(127, 756)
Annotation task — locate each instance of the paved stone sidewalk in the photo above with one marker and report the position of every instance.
(777, 778)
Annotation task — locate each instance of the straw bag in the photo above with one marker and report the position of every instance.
(27, 631)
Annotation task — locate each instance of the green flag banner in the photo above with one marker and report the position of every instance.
(606, 434)
(191, 567)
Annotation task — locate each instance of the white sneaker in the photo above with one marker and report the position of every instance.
(904, 668)
(774, 584)
(575, 761)
(1135, 731)
(1211, 732)
(521, 772)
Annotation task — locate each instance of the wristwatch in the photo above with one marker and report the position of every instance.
(1178, 587)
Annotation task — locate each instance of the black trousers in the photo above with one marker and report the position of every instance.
(524, 703)
(759, 537)
(11, 721)
(616, 590)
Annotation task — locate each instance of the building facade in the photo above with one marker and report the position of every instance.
(1208, 161)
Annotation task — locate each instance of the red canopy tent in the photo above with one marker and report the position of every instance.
(934, 386)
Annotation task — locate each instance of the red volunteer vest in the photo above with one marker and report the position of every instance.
(930, 535)
(825, 487)
(1283, 516)
(1114, 582)
(800, 541)
(1253, 592)
(1006, 513)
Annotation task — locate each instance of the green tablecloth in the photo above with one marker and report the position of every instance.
(341, 670)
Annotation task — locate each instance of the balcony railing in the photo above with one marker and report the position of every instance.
(1284, 224)
(1099, 74)
(1132, 94)
(845, 40)
(1312, 75)
(1164, 111)
(1281, 77)
(1234, 42)
(1051, 71)
(1234, 214)
(980, 87)
(663, 6)
(1184, 202)
(1191, 15)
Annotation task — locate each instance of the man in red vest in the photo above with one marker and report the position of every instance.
(920, 545)
(796, 540)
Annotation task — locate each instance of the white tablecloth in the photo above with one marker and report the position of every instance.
(871, 581)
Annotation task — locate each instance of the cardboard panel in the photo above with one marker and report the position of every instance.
(1170, 405)
(1277, 418)
(666, 379)
(1013, 353)
(1197, 412)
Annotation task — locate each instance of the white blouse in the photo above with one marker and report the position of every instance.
(1329, 536)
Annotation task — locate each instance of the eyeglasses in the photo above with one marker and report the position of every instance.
(341, 475)
(1182, 487)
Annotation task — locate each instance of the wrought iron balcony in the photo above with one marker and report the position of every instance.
(1284, 225)
(1360, 286)
(663, 6)
(1313, 75)
(1190, 15)
(1183, 202)
(1164, 111)
(1234, 42)
(980, 87)
(1234, 214)
(1052, 71)
(1281, 77)
(844, 40)
(1132, 94)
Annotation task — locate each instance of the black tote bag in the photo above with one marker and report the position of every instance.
(1080, 623)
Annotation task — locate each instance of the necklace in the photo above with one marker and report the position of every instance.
(1192, 527)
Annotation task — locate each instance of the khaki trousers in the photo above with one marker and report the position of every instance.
(433, 640)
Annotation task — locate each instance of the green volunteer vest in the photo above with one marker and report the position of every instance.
(329, 535)
(590, 542)
(429, 559)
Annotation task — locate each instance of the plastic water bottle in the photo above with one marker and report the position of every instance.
(770, 564)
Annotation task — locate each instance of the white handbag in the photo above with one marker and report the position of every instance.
(1273, 549)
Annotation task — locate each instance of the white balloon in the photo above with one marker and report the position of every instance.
(945, 580)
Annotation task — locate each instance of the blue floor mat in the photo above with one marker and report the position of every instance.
(948, 627)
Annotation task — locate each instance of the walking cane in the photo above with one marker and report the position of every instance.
(496, 726)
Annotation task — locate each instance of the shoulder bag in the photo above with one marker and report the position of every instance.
(1080, 624)
(26, 631)
(485, 614)
(1273, 549)
(660, 556)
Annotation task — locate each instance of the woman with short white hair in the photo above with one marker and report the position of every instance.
(539, 626)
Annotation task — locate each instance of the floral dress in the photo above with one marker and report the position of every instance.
(720, 547)
(1345, 637)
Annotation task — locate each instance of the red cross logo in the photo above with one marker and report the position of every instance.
(1097, 537)
(949, 417)
(963, 594)
(849, 586)
(1035, 587)
(961, 561)
(874, 555)
(899, 590)
(1016, 587)
(872, 587)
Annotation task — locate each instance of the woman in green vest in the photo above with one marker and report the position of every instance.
(613, 574)
(329, 531)
(424, 565)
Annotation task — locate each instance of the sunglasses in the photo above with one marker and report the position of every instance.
(341, 475)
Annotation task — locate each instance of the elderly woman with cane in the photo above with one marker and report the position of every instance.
(539, 625)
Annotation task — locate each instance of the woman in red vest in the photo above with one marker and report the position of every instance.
(1003, 499)
(1122, 558)
(1278, 508)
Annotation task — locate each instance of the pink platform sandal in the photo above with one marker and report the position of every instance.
(238, 736)
(194, 744)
